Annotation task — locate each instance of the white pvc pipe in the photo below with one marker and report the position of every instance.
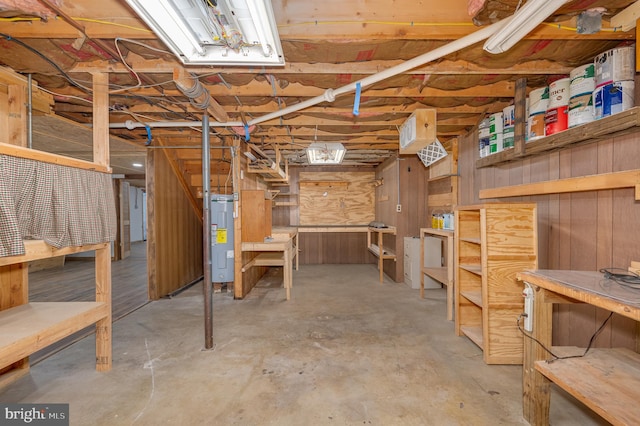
(330, 95)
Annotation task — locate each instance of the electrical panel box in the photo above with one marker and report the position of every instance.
(222, 254)
(418, 131)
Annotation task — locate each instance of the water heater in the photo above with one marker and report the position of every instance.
(222, 255)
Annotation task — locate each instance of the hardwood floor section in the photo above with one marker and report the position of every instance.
(75, 282)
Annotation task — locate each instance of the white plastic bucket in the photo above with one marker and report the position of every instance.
(581, 110)
(613, 98)
(617, 64)
(538, 100)
(559, 93)
(582, 80)
(495, 123)
(508, 117)
(496, 143)
(508, 137)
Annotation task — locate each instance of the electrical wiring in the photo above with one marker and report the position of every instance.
(51, 62)
(556, 357)
(127, 66)
(622, 276)
(65, 96)
(77, 18)
(148, 46)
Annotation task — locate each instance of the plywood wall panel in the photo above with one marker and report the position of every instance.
(175, 230)
(346, 198)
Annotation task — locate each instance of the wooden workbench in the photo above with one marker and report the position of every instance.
(281, 250)
(605, 380)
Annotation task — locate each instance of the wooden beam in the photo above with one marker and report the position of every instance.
(615, 180)
(101, 118)
(445, 67)
(16, 151)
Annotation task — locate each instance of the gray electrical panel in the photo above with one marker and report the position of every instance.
(222, 256)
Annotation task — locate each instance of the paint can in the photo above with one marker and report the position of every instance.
(538, 100)
(508, 126)
(483, 138)
(495, 141)
(613, 98)
(556, 118)
(581, 109)
(617, 64)
(535, 126)
(559, 93)
(582, 80)
(495, 123)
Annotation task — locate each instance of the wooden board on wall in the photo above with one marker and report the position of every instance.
(174, 239)
(344, 198)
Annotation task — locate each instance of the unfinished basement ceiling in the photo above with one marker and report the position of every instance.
(326, 45)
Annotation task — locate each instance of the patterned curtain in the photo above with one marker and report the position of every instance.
(61, 205)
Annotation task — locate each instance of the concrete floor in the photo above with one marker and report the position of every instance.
(345, 350)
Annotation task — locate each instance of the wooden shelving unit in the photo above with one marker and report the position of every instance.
(28, 327)
(617, 124)
(444, 274)
(493, 242)
(378, 249)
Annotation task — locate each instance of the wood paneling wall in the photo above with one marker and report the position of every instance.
(580, 231)
(174, 238)
(408, 176)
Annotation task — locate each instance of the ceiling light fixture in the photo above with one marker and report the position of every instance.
(523, 21)
(136, 165)
(325, 153)
(223, 32)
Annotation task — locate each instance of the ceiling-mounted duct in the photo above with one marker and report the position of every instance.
(225, 32)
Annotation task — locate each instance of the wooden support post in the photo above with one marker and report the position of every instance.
(536, 395)
(103, 255)
(17, 115)
(520, 129)
(101, 118)
(14, 279)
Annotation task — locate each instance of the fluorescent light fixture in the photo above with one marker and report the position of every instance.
(325, 153)
(523, 21)
(136, 165)
(222, 32)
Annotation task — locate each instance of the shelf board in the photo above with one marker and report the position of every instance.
(474, 297)
(605, 380)
(438, 274)
(28, 328)
(285, 203)
(474, 269)
(607, 127)
(387, 254)
(474, 333)
(38, 249)
(440, 232)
